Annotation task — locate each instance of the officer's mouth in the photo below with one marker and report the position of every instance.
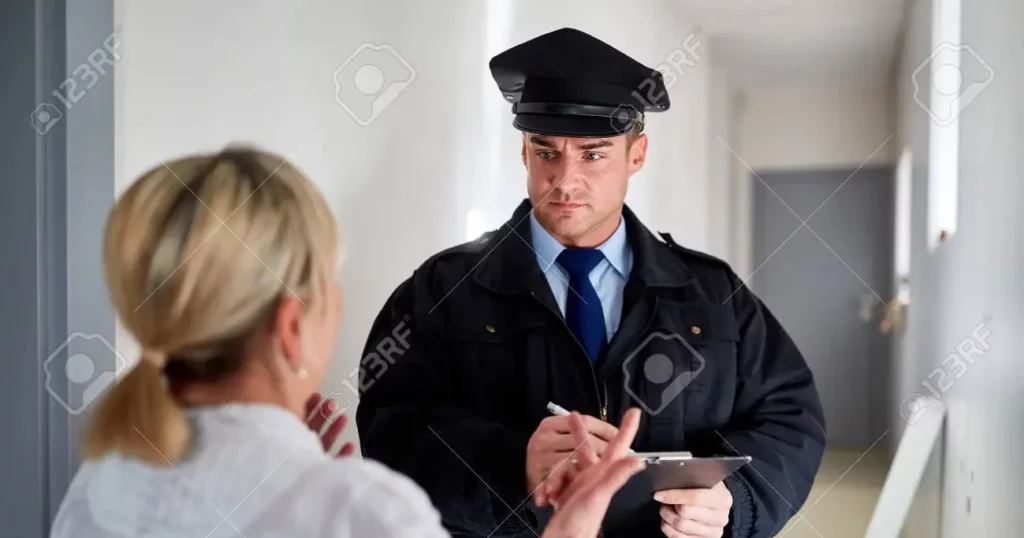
(567, 206)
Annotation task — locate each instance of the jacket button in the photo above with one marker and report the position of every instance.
(490, 328)
(695, 329)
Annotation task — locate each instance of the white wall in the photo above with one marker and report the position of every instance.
(196, 75)
(816, 127)
(975, 274)
(721, 187)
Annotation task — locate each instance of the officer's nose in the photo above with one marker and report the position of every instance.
(566, 176)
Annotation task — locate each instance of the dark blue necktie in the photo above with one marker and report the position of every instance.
(583, 310)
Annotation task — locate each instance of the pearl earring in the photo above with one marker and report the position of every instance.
(302, 373)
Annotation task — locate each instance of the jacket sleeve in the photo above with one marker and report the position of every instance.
(777, 419)
(410, 418)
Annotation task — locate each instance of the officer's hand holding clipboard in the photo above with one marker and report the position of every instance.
(694, 500)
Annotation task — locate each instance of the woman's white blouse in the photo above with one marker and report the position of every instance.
(255, 471)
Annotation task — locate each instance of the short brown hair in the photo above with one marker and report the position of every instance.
(634, 133)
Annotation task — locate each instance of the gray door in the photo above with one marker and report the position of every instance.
(827, 282)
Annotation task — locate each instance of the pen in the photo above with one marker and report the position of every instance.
(557, 410)
(560, 411)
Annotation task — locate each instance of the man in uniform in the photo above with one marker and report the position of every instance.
(573, 301)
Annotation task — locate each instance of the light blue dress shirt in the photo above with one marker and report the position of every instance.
(608, 277)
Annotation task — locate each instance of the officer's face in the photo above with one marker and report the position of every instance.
(578, 185)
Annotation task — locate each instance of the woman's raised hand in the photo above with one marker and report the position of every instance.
(581, 488)
(319, 410)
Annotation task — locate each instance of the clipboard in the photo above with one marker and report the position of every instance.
(668, 470)
(665, 470)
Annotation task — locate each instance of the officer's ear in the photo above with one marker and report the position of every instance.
(522, 153)
(637, 152)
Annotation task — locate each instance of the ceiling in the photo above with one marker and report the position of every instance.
(781, 42)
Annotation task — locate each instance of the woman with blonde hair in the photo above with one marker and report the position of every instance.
(223, 267)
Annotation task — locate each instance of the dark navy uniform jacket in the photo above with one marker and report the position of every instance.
(485, 347)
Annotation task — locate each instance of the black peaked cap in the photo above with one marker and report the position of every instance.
(569, 83)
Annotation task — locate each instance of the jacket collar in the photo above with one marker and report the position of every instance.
(510, 263)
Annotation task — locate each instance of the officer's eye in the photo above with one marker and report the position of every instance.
(546, 155)
(592, 156)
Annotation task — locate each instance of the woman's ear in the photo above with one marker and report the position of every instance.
(288, 330)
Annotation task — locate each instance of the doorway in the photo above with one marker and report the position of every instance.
(827, 282)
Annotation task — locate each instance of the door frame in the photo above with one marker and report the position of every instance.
(58, 190)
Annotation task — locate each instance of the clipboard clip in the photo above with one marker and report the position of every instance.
(675, 457)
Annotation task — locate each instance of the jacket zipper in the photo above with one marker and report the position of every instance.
(601, 402)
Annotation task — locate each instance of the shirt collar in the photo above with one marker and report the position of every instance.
(615, 248)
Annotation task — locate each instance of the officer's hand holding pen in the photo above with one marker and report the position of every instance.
(560, 411)
(553, 442)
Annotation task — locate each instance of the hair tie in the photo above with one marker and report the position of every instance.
(155, 357)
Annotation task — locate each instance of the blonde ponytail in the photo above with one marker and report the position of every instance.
(183, 284)
(140, 419)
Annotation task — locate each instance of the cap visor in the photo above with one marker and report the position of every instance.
(581, 126)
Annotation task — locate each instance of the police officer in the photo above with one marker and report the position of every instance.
(575, 302)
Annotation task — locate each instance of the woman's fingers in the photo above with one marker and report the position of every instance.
(563, 472)
(333, 431)
(347, 450)
(599, 482)
(619, 446)
(551, 487)
(592, 476)
(319, 410)
(582, 438)
(312, 402)
(617, 475)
